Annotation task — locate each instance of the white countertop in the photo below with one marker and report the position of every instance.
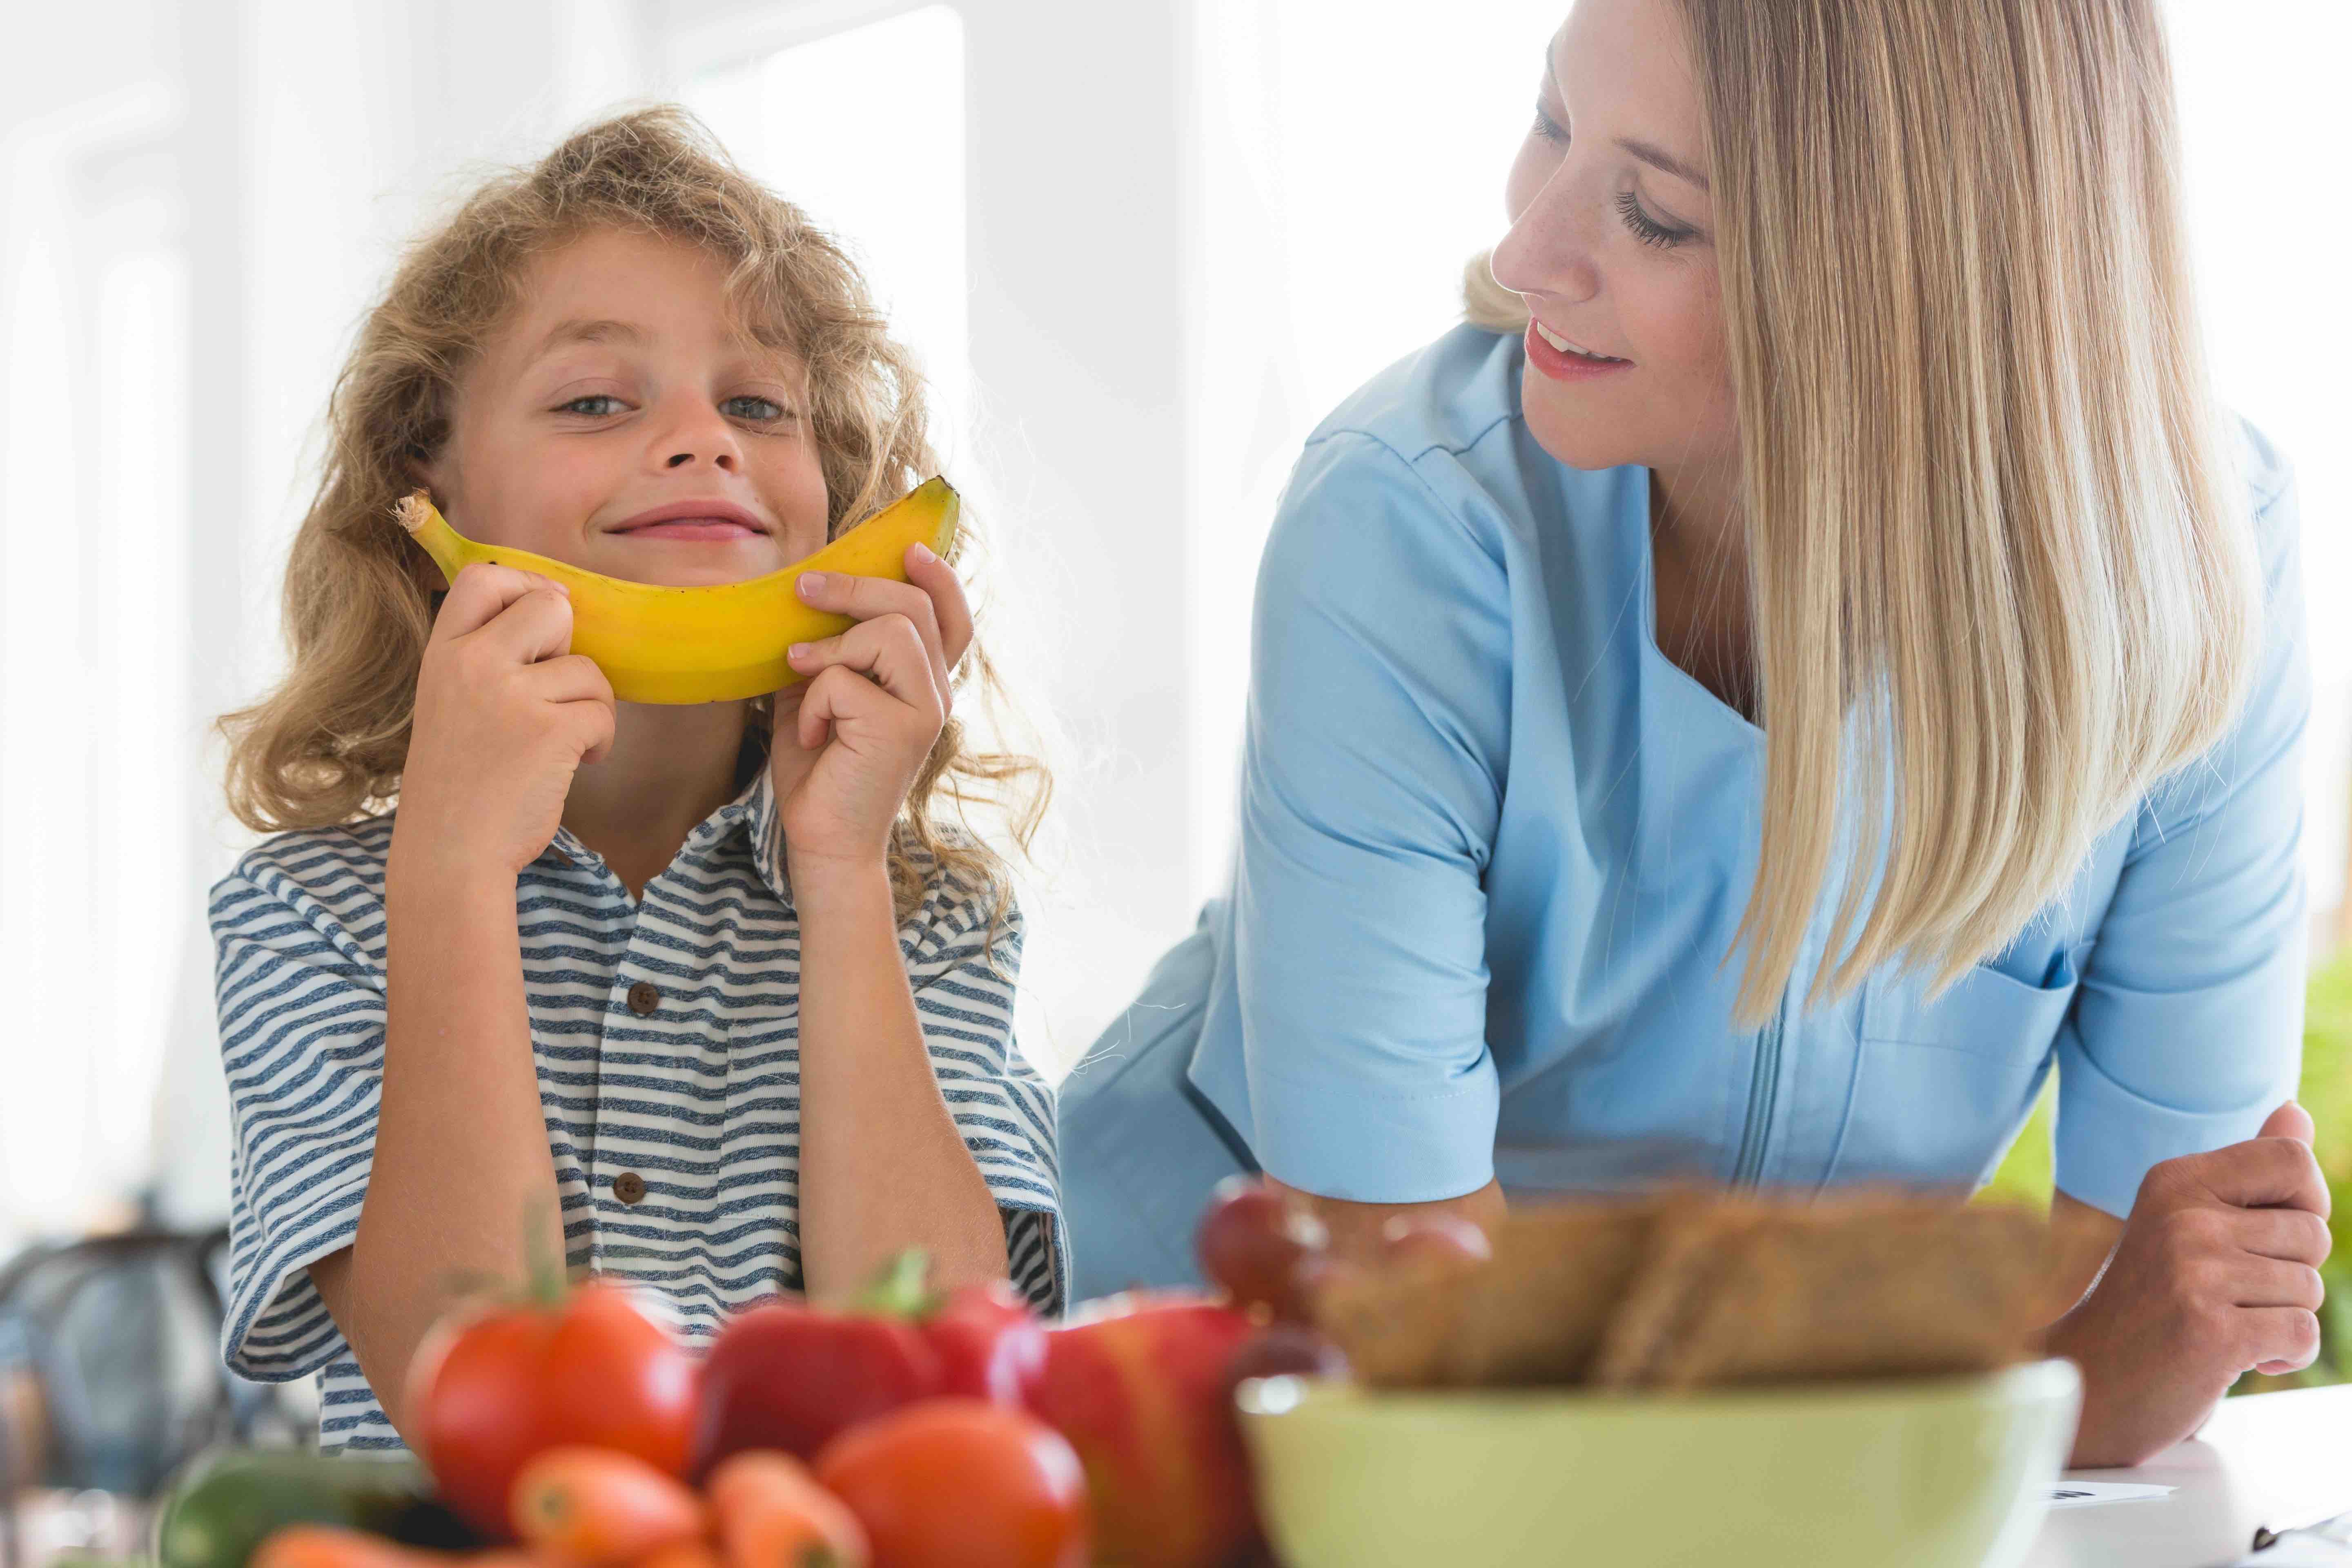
(2269, 1459)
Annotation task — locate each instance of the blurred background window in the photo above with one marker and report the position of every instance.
(884, 169)
(1142, 249)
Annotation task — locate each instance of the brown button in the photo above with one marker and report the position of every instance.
(629, 1187)
(644, 998)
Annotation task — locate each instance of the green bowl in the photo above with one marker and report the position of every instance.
(1942, 1473)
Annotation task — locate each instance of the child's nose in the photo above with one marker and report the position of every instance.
(721, 458)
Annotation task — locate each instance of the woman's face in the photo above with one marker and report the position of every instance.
(619, 421)
(1612, 243)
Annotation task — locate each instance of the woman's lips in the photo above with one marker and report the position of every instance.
(1566, 364)
(692, 528)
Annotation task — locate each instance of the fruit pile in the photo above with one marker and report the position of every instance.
(907, 1428)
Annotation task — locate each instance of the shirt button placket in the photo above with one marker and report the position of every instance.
(644, 998)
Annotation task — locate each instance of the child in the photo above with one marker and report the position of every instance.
(709, 982)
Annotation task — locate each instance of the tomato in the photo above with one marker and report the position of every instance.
(491, 1389)
(962, 1483)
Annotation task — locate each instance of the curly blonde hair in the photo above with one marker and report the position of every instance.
(328, 746)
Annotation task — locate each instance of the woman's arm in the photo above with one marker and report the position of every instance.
(2216, 1274)
(1359, 1231)
(883, 1166)
(1356, 1065)
(2082, 1240)
(2182, 1044)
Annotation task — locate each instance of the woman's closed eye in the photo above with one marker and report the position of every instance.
(1647, 230)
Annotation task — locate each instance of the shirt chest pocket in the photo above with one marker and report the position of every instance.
(1942, 1085)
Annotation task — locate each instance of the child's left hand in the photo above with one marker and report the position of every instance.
(850, 740)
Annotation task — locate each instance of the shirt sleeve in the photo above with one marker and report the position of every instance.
(964, 972)
(1371, 790)
(2189, 1029)
(302, 1030)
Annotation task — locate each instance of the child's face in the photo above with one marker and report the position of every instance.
(619, 422)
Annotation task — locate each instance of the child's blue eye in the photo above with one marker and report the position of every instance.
(611, 404)
(762, 410)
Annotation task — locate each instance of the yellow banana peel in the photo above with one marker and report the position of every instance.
(718, 643)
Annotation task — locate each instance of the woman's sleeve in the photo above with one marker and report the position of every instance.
(1372, 783)
(302, 1028)
(2189, 1029)
(964, 970)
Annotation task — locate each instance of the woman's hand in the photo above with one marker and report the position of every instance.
(850, 740)
(505, 714)
(2217, 1274)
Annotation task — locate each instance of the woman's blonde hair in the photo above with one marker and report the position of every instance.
(1993, 514)
(329, 744)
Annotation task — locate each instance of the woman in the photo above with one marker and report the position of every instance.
(1807, 659)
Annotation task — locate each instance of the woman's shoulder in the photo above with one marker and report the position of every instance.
(2267, 472)
(1447, 396)
(2269, 479)
(1435, 448)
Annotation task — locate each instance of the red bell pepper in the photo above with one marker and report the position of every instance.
(788, 1375)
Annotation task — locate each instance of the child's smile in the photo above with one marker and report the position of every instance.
(695, 521)
(622, 422)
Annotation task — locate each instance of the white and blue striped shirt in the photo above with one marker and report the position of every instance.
(666, 1037)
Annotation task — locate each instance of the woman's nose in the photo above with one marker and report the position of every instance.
(1549, 247)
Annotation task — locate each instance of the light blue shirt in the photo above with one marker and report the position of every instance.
(1495, 846)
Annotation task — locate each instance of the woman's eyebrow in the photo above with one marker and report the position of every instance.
(1665, 160)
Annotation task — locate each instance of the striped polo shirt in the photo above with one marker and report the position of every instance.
(666, 1034)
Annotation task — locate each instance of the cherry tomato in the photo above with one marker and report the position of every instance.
(494, 1388)
(962, 1483)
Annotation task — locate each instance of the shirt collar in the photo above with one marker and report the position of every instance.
(752, 812)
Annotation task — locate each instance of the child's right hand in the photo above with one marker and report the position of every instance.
(505, 714)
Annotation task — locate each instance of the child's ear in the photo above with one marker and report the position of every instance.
(431, 468)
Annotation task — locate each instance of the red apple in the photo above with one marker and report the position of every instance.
(1139, 1387)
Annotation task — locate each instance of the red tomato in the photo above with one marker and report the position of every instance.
(962, 1483)
(492, 1389)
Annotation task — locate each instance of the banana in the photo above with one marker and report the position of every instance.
(719, 643)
